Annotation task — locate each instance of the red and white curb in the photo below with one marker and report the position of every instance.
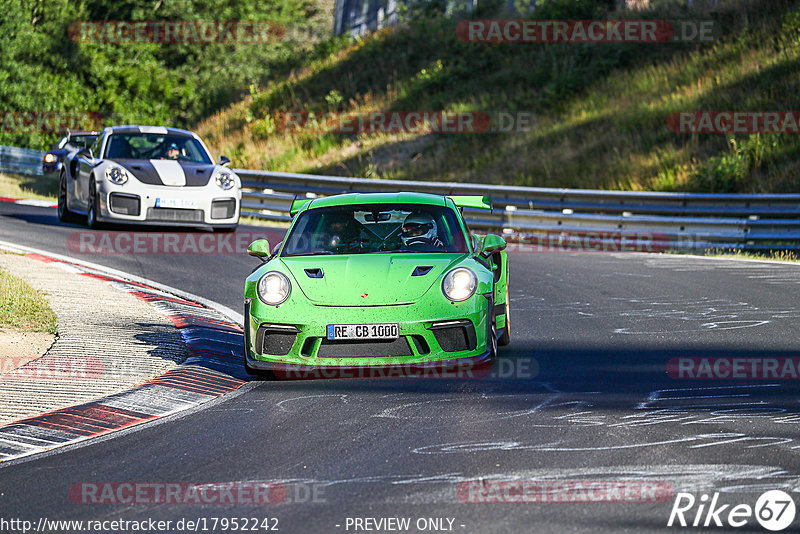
(30, 202)
(214, 368)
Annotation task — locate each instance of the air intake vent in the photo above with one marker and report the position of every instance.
(314, 273)
(422, 270)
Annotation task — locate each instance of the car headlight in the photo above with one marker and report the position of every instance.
(224, 180)
(116, 175)
(274, 288)
(49, 158)
(459, 284)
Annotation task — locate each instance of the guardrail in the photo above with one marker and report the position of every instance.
(681, 221)
(21, 160)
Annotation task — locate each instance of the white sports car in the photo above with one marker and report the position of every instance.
(149, 175)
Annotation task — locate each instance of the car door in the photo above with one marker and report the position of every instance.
(86, 165)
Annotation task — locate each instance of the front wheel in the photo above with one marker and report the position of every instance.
(94, 208)
(505, 337)
(64, 215)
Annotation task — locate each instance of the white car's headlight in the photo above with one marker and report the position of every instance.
(224, 180)
(116, 175)
(459, 284)
(274, 288)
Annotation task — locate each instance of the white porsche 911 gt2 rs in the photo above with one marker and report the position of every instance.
(149, 175)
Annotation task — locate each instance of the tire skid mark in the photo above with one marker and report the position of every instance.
(212, 369)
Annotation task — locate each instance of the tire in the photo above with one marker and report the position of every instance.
(505, 337)
(94, 208)
(64, 215)
(493, 342)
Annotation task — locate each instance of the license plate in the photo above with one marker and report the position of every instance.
(363, 331)
(181, 203)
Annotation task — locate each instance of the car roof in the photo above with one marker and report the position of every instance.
(132, 128)
(378, 198)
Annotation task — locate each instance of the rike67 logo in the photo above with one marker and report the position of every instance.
(774, 510)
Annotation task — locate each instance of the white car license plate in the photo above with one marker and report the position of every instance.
(363, 331)
(181, 203)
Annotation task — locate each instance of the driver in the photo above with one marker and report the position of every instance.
(420, 228)
(173, 152)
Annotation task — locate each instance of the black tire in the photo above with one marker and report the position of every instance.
(94, 208)
(64, 215)
(505, 337)
(492, 342)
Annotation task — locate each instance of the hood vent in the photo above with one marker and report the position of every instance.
(422, 270)
(314, 273)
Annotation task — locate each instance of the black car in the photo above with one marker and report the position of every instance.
(74, 140)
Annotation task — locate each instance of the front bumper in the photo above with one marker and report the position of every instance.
(137, 204)
(449, 334)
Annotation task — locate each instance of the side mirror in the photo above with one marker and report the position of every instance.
(492, 243)
(259, 248)
(224, 161)
(85, 153)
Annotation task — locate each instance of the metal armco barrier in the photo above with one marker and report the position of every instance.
(680, 221)
(21, 160)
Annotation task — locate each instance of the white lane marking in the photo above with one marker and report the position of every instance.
(170, 172)
(37, 203)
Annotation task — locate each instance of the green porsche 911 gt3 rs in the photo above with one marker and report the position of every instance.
(375, 280)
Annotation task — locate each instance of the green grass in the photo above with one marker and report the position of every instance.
(35, 187)
(600, 110)
(24, 308)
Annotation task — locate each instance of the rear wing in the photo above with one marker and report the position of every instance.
(472, 201)
(298, 204)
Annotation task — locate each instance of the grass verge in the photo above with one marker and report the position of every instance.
(24, 308)
(34, 187)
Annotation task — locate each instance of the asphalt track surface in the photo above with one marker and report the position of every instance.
(581, 394)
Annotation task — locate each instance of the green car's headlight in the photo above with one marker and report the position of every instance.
(224, 180)
(274, 288)
(116, 175)
(459, 284)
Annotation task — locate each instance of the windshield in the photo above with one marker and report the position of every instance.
(378, 228)
(156, 146)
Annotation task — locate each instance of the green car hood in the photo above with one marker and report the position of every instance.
(383, 278)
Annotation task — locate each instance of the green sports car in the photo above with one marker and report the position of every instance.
(377, 280)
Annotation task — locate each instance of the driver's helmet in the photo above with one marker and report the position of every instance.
(418, 227)
(173, 146)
